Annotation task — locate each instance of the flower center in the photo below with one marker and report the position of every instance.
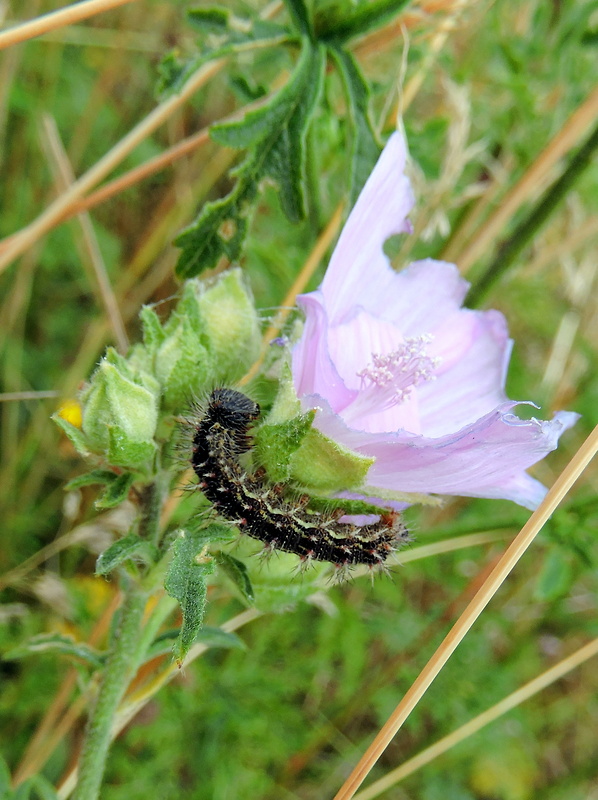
(399, 372)
(390, 379)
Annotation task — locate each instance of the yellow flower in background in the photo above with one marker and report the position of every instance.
(71, 412)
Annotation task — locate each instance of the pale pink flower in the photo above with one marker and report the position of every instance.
(399, 370)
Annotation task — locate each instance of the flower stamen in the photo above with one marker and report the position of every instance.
(400, 371)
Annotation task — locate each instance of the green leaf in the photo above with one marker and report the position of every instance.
(285, 163)
(275, 444)
(224, 33)
(322, 465)
(186, 582)
(211, 20)
(233, 32)
(116, 491)
(95, 476)
(365, 146)
(245, 91)
(173, 71)
(261, 124)
(237, 572)
(183, 365)
(215, 532)
(231, 325)
(286, 403)
(275, 135)
(121, 550)
(120, 412)
(342, 27)
(301, 17)
(57, 643)
(75, 434)
(216, 637)
(126, 452)
(220, 228)
(274, 592)
(210, 637)
(116, 486)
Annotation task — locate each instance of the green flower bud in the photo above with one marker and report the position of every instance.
(230, 324)
(183, 365)
(153, 332)
(140, 368)
(120, 412)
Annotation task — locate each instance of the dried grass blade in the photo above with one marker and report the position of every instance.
(477, 723)
(496, 578)
(92, 254)
(27, 236)
(56, 19)
(529, 184)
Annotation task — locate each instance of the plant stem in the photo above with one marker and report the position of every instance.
(151, 506)
(131, 641)
(120, 666)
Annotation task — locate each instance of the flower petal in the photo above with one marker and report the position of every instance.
(402, 372)
(424, 294)
(313, 369)
(351, 347)
(474, 348)
(484, 459)
(352, 344)
(359, 272)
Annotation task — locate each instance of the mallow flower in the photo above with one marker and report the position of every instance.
(398, 370)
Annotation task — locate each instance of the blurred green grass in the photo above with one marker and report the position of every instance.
(289, 716)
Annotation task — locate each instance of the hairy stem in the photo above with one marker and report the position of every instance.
(120, 667)
(130, 644)
(152, 499)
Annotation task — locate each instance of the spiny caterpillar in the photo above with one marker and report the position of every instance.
(221, 437)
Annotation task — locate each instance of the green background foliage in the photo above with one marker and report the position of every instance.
(285, 709)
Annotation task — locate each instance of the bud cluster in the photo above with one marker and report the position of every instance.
(211, 337)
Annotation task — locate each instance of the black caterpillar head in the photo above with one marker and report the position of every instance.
(232, 409)
(232, 412)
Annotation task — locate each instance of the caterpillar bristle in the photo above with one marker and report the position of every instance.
(220, 436)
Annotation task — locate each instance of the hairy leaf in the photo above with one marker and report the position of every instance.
(232, 31)
(224, 34)
(95, 476)
(365, 146)
(275, 135)
(130, 546)
(75, 434)
(116, 486)
(153, 332)
(275, 444)
(273, 590)
(301, 17)
(208, 636)
(350, 507)
(57, 643)
(341, 27)
(186, 582)
(237, 572)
